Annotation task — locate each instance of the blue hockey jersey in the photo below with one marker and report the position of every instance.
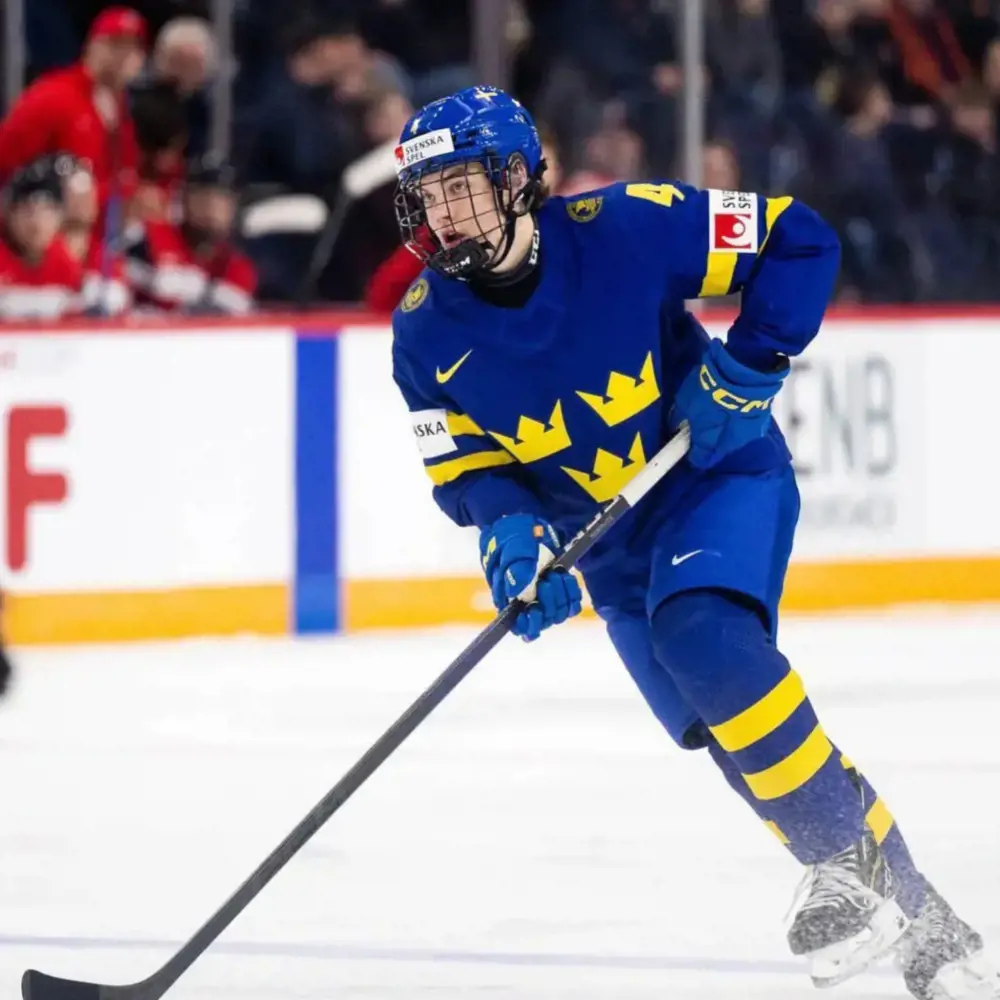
(552, 407)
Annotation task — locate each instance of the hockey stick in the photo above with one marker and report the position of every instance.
(38, 986)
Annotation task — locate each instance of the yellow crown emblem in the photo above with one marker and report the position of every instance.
(611, 473)
(625, 396)
(536, 439)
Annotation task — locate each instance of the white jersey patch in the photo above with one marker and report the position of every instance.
(732, 222)
(424, 147)
(430, 428)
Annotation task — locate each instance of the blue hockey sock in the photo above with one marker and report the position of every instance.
(912, 886)
(726, 666)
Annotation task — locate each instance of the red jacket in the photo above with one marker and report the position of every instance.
(48, 289)
(394, 275)
(57, 113)
(164, 273)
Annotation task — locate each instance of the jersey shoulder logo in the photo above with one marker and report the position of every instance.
(584, 209)
(733, 219)
(415, 295)
(443, 377)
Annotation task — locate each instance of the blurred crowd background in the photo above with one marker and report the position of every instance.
(208, 156)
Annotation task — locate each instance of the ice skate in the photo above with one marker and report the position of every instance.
(845, 916)
(942, 958)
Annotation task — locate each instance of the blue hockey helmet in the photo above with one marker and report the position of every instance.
(481, 126)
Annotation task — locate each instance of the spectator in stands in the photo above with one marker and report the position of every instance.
(105, 292)
(970, 190)
(370, 233)
(744, 63)
(156, 13)
(303, 136)
(193, 267)
(628, 52)
(918, 53)
(161, 127)
(720, 166)
(39, 277)
(82, 109)
(744, 57)
(613, 152)
(79, 203)
(432, 38)
(185, 55)
(857, 193)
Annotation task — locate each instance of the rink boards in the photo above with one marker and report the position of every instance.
(261, 477)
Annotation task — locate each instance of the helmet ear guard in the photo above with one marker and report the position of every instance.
(528, 197)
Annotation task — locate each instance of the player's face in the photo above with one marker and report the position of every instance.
(460, 203)
(211, 210)
(34, 223)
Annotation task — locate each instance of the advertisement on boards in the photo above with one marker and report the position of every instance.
(144, 461)
(852, 414)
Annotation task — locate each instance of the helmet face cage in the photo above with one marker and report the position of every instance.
(492, 242)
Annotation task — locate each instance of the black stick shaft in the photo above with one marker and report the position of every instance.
(39, 987)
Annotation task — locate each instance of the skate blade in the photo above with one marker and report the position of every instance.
(839, 962)
(972, 978)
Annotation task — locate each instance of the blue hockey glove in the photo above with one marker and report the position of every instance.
(513, 550)
(726, 404)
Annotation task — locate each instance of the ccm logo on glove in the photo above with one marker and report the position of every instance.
(726, 404)
(724, 397)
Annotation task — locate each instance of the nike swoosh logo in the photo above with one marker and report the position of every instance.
(677, 560)
(443, 377)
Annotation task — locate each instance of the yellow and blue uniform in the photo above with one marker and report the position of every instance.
(550, 408)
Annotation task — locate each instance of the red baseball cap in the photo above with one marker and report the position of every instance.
(119, 22)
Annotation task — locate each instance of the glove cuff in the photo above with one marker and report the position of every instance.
(737, 373)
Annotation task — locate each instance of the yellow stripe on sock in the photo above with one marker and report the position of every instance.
(777, 831)
(794, 771)
(763, 717)
(879, 821)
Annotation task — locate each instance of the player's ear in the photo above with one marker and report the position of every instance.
(520, 189)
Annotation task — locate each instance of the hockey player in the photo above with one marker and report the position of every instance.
(193, 267)
(545, 353)
(39, 277)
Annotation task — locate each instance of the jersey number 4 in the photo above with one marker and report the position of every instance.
(662, 194)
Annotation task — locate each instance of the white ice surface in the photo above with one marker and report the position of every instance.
(538, 837)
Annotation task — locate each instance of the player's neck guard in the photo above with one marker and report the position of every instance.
(520, 271)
